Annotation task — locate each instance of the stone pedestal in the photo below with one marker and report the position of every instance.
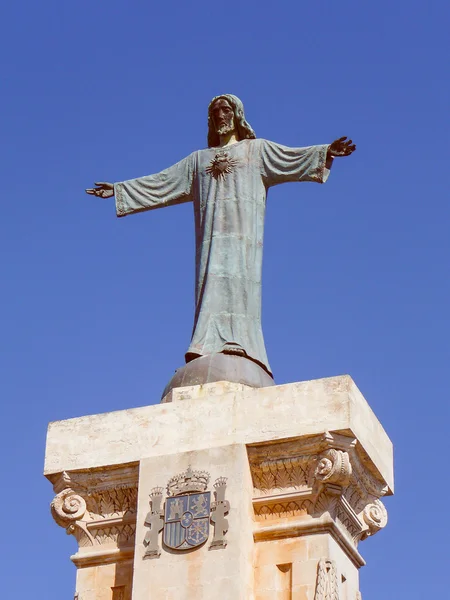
(287, 479)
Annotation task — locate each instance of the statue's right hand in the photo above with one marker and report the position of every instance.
(102, 190)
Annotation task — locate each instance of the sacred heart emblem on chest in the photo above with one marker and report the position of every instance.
(221, 165)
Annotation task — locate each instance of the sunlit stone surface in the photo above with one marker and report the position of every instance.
(305, 465)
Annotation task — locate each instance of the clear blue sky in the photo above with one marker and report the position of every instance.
(97, 311)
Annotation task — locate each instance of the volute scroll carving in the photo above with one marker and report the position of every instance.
(375, 517)
(68, 507)
(334, 466)
(97, 508)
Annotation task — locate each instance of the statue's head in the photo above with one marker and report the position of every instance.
(226, 115)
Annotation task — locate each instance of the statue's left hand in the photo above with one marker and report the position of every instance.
(103, 190)
(341, 147)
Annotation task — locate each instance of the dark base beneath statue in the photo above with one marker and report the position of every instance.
(219, 367)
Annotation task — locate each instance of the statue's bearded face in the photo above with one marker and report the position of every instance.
(223, 117)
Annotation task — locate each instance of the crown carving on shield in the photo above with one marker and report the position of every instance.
(189, 481)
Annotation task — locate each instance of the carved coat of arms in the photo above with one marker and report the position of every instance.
(187, 514)
(186, 521)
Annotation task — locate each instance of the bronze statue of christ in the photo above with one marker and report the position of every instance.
(228, 184)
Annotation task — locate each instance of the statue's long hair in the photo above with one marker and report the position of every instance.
(244, 131)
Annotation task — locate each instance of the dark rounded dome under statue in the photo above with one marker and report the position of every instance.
(219, 367)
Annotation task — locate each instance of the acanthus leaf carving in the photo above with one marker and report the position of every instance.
(327, 581)
(283, 509)
(287, 473)
(106, 504)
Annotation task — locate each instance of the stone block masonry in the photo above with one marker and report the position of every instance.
(271, 490)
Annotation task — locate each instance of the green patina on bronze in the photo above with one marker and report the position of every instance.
(228, 184)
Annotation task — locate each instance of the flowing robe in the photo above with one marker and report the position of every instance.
(229, 207)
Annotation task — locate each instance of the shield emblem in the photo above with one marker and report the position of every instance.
(186, 520)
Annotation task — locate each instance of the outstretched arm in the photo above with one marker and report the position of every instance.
(281, 163)
(172, 186)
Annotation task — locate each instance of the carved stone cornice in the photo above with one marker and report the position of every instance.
(308, 478)
(99, 509)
